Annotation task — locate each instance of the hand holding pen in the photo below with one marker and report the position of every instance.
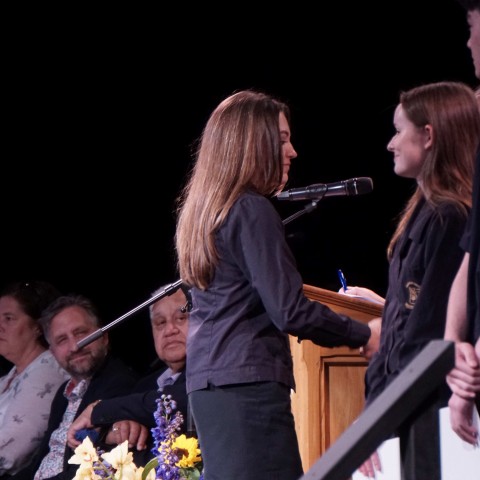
(360, 292)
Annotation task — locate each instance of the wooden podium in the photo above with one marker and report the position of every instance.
(329, 381)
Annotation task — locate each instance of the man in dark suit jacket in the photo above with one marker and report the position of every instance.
(131, 416)
(95, 375)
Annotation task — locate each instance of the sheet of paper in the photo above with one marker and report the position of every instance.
(459, 459)
(367, 299)
(389, 453)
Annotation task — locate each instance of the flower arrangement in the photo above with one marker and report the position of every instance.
(97, 465)
(177, 457)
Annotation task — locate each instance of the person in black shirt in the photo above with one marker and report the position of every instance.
(437, 130)
(463, 316)
(95, 375)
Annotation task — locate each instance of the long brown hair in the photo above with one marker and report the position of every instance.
(240, 149)
(447, 172)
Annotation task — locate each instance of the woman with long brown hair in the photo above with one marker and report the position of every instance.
(247, 294)
(437, 131)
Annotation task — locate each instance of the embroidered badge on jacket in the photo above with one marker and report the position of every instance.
(413, 291)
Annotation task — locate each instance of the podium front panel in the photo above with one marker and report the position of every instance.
(330, 381)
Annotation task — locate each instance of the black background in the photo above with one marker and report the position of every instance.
(103, 109)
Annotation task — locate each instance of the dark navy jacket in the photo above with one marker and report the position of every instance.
(239, 326)
(112, 379)
(140, 407)
(423, 266)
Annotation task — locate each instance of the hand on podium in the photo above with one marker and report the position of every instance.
(373, 343)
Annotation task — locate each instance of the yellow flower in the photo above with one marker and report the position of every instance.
(187, 451)
(122, 461)
(85, 454)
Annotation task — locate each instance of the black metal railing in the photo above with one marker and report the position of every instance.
(386, 414)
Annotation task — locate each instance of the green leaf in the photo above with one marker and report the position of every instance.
(153, 463)
(192, 473)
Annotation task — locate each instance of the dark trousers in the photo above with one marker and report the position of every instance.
(247, 432)
(420, 438)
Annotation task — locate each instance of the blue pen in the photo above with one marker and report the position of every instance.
(343, 281)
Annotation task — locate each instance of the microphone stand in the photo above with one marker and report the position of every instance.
(306, 209)
(168, 290)
(172, 288)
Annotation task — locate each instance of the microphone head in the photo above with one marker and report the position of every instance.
(352, 186)
(359, 186)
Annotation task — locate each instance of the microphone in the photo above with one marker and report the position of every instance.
(352, 186)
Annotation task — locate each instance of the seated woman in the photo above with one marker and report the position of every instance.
(27, 390)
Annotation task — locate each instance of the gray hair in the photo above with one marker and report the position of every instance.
(161, 289)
